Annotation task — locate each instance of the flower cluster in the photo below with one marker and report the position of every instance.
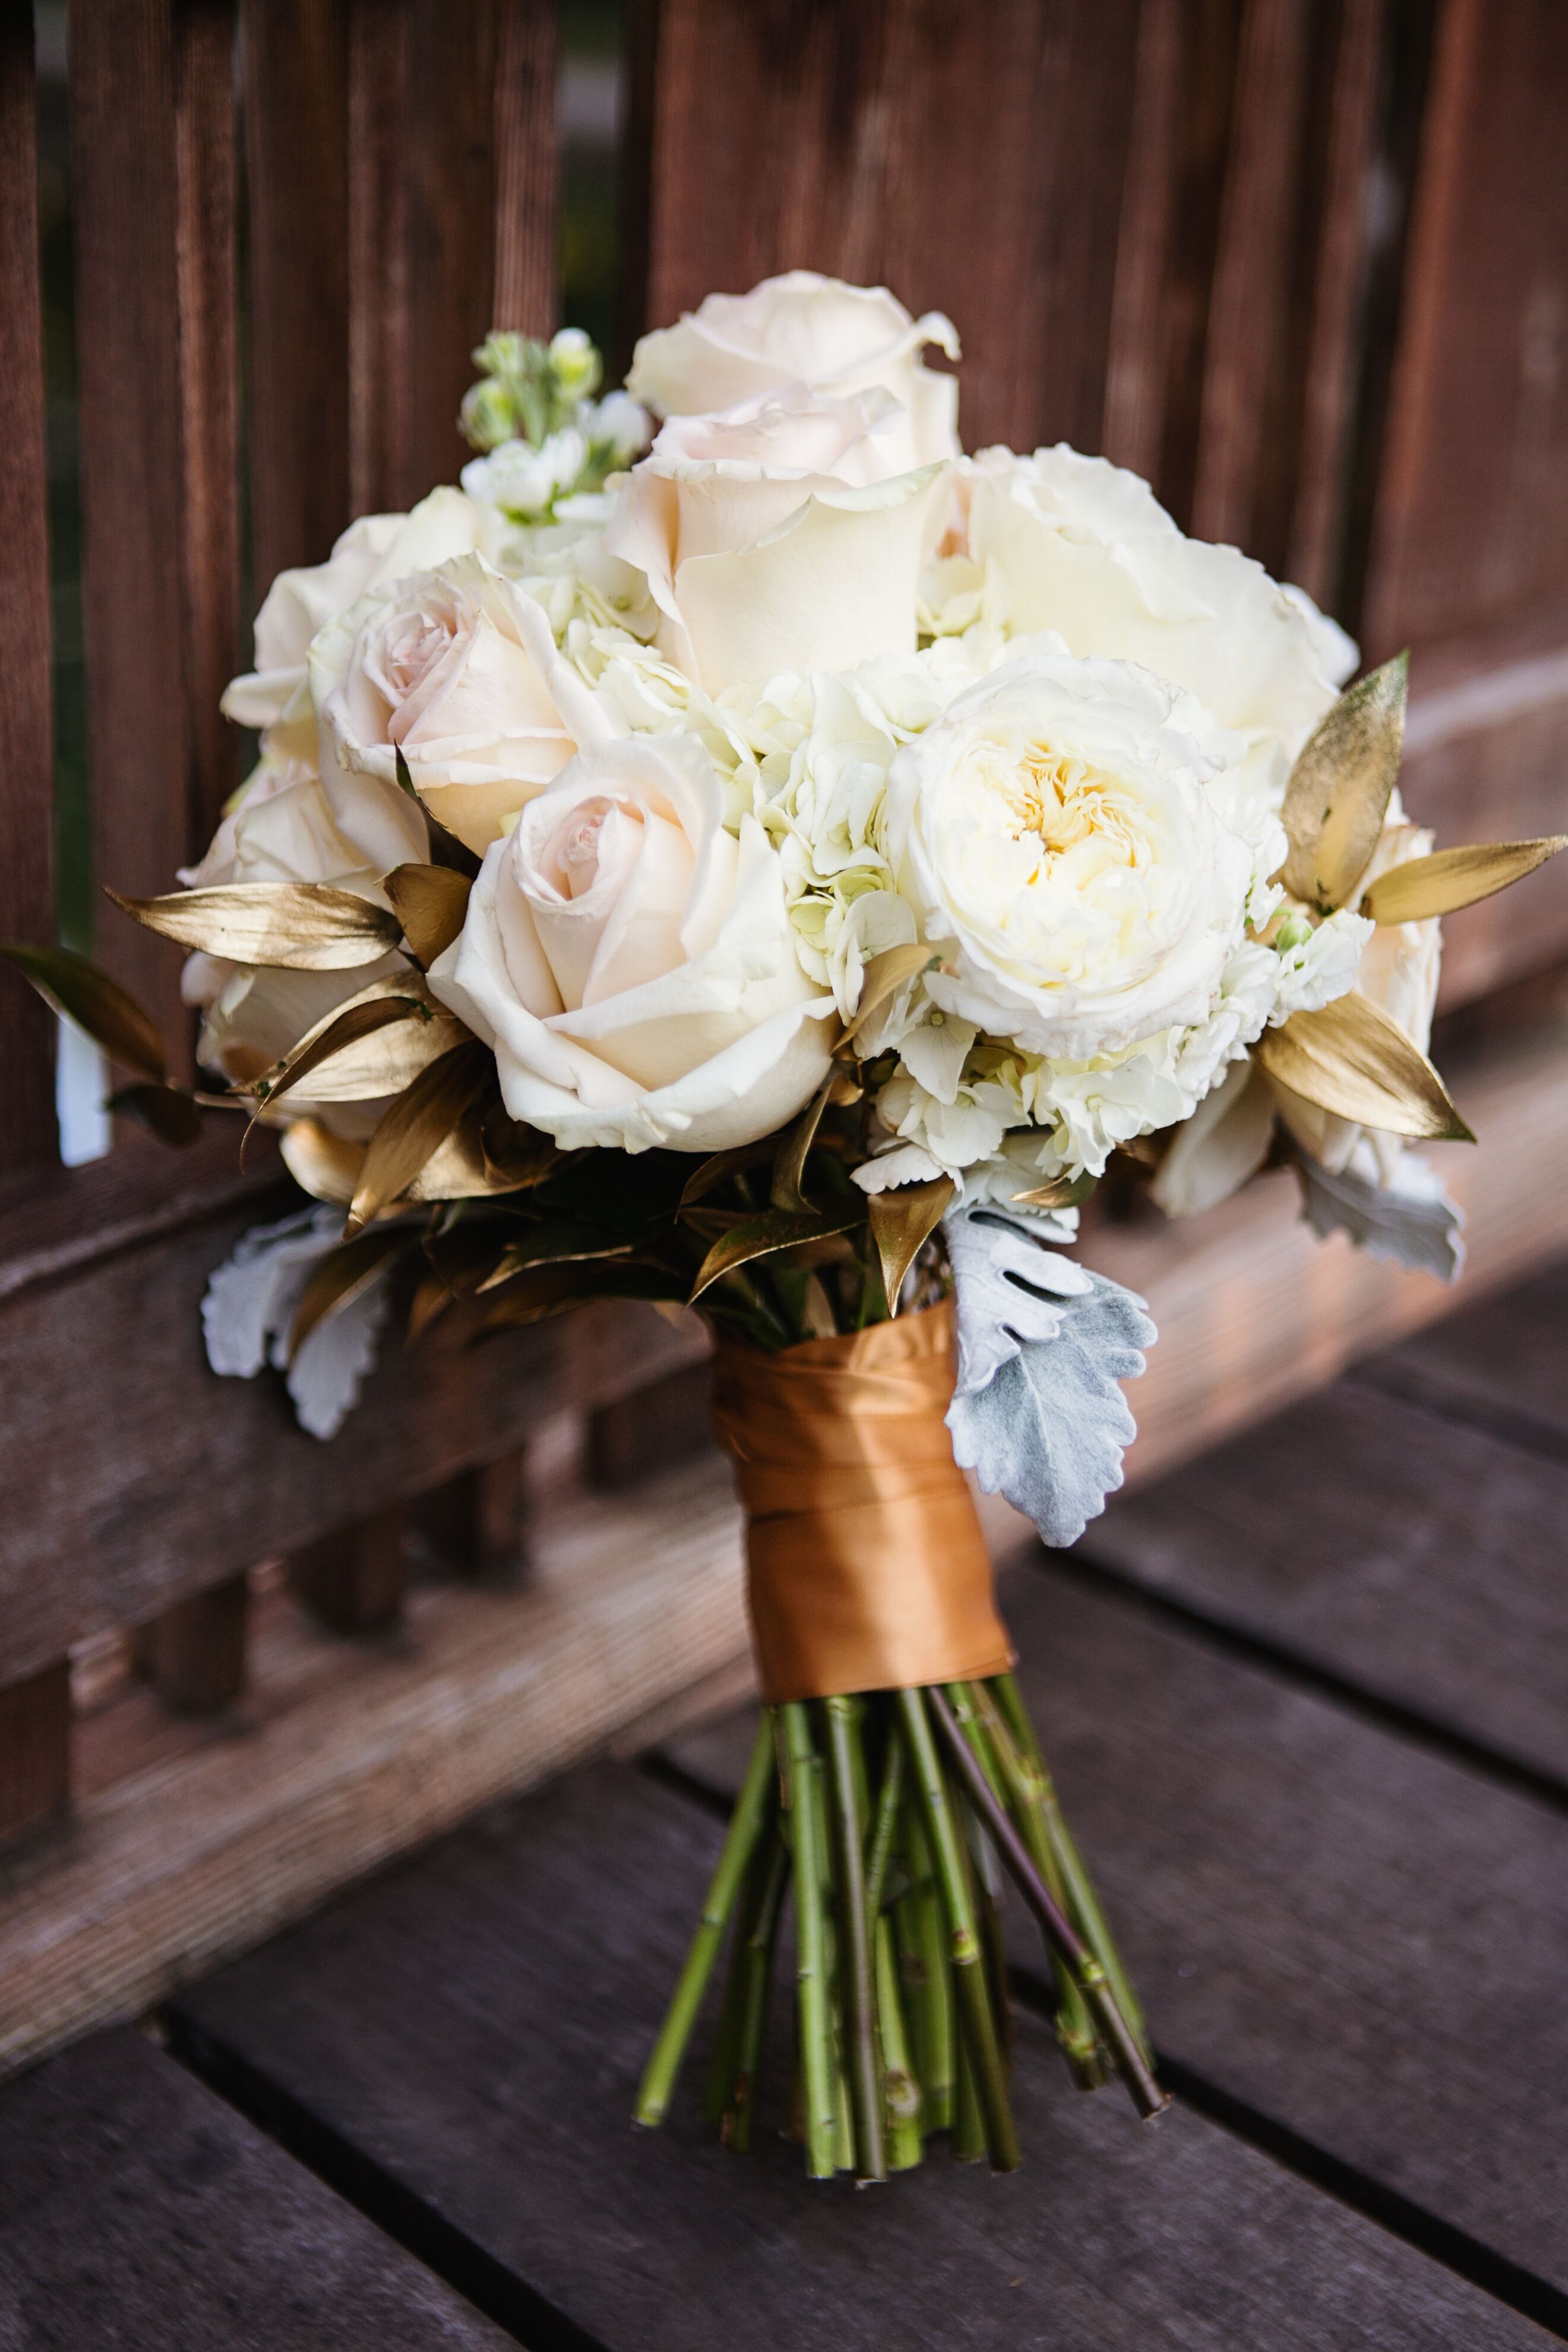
(732, 707)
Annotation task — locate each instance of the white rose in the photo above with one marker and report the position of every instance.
(805, 329)
(777, 537)
(1085, 549)
(1399, 968)
(280, 830)
(631, 963)
(373, 550)
(1056, 836)
(457, 669)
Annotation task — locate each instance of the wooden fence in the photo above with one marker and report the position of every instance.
(1304, 262)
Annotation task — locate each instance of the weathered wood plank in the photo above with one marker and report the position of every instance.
(1421, 1561)
(1500, 1363)
(1353, 1937)
(26, 740)
(354, 1578)
(138, 2210)
(527, 156)
(35, 1747)
(340, 1755)
(193, 1653)
(508, 1985)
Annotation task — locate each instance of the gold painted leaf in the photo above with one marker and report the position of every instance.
(711, 1171)
(168, 1112)
(294, 926)
(412, 1129)
(903, 1220)
(1351, 1059)
(1338, 794)
(1061, 1192)
(516, 1155)
(1451, 878)
(325, 1165)
(446, 848)
(882, 978)
(363, 1061)
(760, 1236)
(72, 985)
(343, 1276)
(431, 903)
(461, 1168)
(789, 1159)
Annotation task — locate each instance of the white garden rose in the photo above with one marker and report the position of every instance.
(632, 964)
(1084, 548)
(456, 668)
(376, 549)
(1056, 834)
(778, 537)
(808, 329)
(280, 829)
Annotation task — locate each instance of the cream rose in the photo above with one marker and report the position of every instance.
(1085, 549)
(808, 329)
(777, 537)
(456, 668)
(1058, 836)
(632, 964)
(280, 830)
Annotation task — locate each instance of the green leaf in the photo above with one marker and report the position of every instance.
(73, 986)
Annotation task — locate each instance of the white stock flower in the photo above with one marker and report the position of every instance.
(524, 481)
(802, 327)
(1085, 548)
(457, 669)
(778, 536)
(1054, 834)
(632, 964)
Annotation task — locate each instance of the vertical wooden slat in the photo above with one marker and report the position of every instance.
(651, 1429)
(26, 738)
(353, 1580)
(1135, 363)
(477, 1522)
(527, 156)
(296, 148)
(35, 1747)
(970, 158)
(194, 1654)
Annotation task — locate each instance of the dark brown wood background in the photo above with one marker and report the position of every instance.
(1304, 262)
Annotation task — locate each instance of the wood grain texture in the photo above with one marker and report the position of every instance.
(354, 1578)
(527, 156)
(510, 1983)
(1498, 1364)
(193, 1653)
(342, 1755)
(1354, 1936)
(972, 159)
(35, 1747)
(137, 2209)
(122, 89)
(296, 141)
(27, 1134)
(1419, 1559)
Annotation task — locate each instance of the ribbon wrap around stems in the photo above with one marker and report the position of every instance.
(866, 1566)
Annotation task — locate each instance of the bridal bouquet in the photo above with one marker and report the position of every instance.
(737, 851)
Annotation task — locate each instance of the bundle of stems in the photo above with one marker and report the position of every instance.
(890, 1819)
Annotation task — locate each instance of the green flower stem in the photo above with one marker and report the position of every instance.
(745, 1828)
(736, 2127)
(966, 2142)
(1084, 1903)
(972, 1998)
(856, 1962)
(884, 1827)
(924, 1976)
(727, 2039)
(818, 2063)
(1075, 2027)
(1060, 1933)
(902, 2092)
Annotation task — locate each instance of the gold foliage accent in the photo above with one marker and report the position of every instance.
(1060, 1193)
(412, 1129)
(1451, 878)
(760, 1237)
(295, 926)
(882, 978)
(353, 1059)
(1339, 790)
(343, 1276)
(903, 1220)
(71, 985)
(325, 1165)
(431, 904)
(167, 1112)
(1351, 1059)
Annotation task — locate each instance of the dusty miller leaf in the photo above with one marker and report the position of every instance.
(1411, 1221)
(249, 1308)
(1009, 1289)
(1049, 1428)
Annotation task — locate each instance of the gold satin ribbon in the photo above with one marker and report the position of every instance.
(866, 1566)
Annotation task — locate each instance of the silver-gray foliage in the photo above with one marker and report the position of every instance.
(250, 1305)
(1038, 1413)
(1411, 1221)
